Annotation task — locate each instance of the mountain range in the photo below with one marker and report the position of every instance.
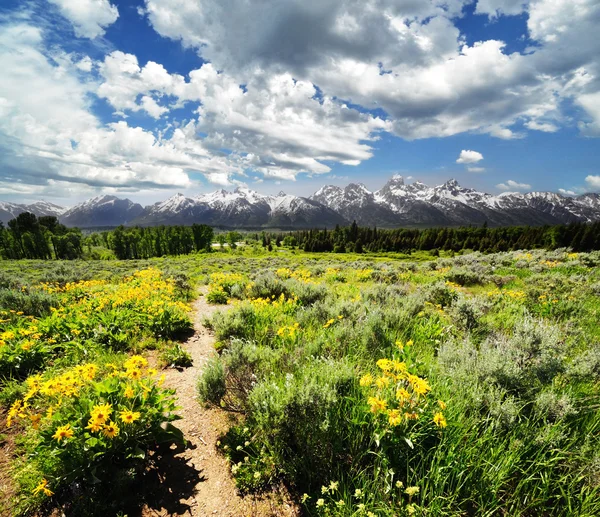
(395, 204)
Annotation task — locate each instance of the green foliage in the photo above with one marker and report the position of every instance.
(175, 356)
(506, 343)
(138, 242)
(212, 383)
(30, 237)
(82, 422)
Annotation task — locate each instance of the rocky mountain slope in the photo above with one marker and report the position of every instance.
(101, 211)
(398, 203)
(9, 211)
(395, 204)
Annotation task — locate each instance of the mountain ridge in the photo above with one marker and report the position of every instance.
(395, 204)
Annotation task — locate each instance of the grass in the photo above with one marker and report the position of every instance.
(507, 342)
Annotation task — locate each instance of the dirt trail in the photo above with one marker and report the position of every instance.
(208, 486)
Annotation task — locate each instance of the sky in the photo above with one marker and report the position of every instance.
(146, 98)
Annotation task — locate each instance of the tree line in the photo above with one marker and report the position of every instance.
(142, 243)
(31, 237)
(578, 236)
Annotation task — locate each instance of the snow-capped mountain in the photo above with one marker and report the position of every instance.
(101, 211)
(9, 211)
(395, 204)
(398, 203)
(240, 208)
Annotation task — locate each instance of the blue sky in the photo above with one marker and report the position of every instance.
(145, 98)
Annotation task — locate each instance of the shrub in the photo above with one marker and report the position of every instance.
(88, 419)
(212, 384)
(176, 356)
(34, 303)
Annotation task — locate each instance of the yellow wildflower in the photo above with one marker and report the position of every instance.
(129, 417)
(412, 490)
(440, 420)
(101, 413)
(366, 380)
(419, 386)
(382, 382)
(129, 393)
(110, 430)
(63, 432)
(94, 426)
(394, 417)
(402, 395)
(43, 487)
(385, 365)
(377, 404)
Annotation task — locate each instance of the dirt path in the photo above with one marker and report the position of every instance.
(208, 486)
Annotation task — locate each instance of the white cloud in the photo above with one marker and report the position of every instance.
(476, 169)
(89, 17)
(566, 192)
(434, 85)
(276, 121)
(48, 134)
(152, 107)
(593, 181)
(85, 64)
(546, 127)
(591, 104)
(467, 156)
(495, 8)
(511, 185)
(124, 81)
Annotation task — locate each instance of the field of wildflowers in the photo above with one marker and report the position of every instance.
(456, 386)
(84, 412)
(369, 385)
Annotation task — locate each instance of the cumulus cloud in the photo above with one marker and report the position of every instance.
(89, 17)
(593, 181)
(48, 133)
(512, 185)
(467, 156)
(591, 104)
(566, 192)
(124, 81)
(407, 58)
(476, 169)
(546, 127)
(275, 121)
(495, 8)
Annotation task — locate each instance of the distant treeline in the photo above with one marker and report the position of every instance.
(142, 243)
(578, 236)
(31, 237)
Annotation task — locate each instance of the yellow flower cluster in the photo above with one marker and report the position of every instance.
(274, 301)
(289, 331)
(514, 294)
(452, 285)
(82, 285)
(363, 275)
(397, 393)
(136, 380)
(550, 263)
(284, 273)
(331, 321)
